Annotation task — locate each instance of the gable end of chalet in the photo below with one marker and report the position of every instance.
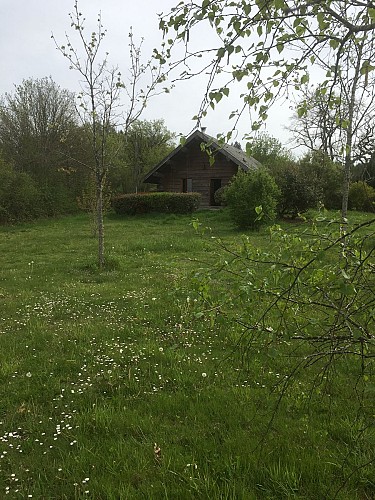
(187, 168)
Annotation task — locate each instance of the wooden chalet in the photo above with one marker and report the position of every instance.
(187, 168)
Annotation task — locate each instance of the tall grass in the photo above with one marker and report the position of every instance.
(113, 385)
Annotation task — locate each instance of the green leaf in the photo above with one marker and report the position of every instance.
(366, 68)
(221, 53)
(301, 111)
(300, 30)
(280, 4)
(230, 49)
(345, 274)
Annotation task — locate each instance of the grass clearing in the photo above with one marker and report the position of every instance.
(100, 370)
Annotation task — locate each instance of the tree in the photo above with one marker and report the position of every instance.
(38, 131)
(318, 128)
(271, 45)
(144, 145)
(268, 150)
(99, 99)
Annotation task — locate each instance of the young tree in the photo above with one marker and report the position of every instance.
(271, 46)
(99, 100)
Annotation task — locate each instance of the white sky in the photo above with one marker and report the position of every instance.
(27, 51)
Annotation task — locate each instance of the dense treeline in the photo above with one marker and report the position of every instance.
(315, 179)
(46, 157)
(46, 160)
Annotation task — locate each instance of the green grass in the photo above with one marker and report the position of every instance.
(99, 367)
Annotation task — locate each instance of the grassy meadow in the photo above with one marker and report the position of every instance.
(114, 386)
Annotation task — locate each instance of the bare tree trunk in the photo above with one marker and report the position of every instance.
(351, 98)
(100, 222)
(346, 182)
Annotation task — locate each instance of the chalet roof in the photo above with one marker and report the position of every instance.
(231, 152)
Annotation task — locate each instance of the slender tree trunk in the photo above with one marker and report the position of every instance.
(100, 222)
(349, 133)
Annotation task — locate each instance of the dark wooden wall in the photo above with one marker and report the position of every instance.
(194, 164)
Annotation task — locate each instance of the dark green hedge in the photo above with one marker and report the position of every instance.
(142, 203)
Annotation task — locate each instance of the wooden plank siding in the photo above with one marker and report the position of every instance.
(192, 163)
(187, 167)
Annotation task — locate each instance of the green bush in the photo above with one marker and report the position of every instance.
(296, 194)
(246, 193)
(324, 178)
(219, 195)
(171, 203)
(19, 196)
(305, 184)
(361, 197)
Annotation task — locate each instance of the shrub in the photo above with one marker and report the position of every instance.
(219, 195)
(361, 197)
(305, 184)
(296, 194)
(324, 177)
(19, 196)
(140, 203)
(246, 193)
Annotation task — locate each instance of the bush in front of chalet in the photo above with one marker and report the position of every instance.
(141, 203)
(219, 195)
(252, 198)
(361, 197)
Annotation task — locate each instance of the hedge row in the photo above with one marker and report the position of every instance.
(141, 203)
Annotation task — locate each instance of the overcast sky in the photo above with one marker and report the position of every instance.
(27, 51)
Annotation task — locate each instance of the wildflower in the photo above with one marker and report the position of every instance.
(157, 452)
(28, 374)
(204, 375)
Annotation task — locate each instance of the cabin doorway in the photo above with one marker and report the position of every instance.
(215, 184)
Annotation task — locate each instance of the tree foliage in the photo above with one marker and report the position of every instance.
(269, 47)
(362, 197)
(268, 150)
(20, 197)
(40, 136)
(252, 198)
(144, 145)
(321, 129)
